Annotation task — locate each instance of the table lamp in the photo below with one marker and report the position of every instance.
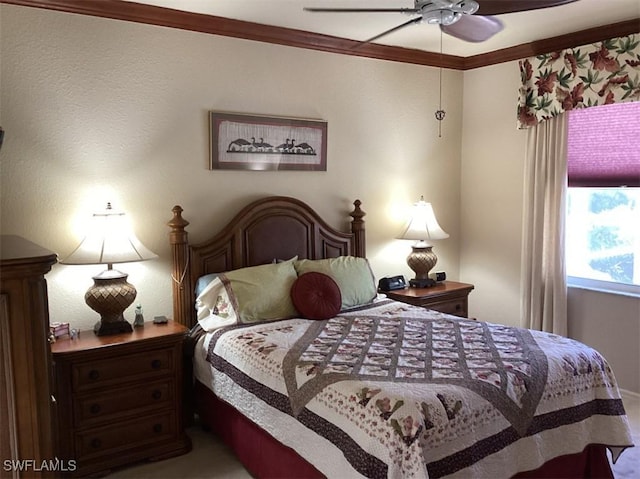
(110, 241)
(423, 227)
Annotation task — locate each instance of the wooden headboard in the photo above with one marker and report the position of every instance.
(268, 229)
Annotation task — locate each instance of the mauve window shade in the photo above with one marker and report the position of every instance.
(604, 146)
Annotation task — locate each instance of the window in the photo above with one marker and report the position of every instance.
(603, 235)
(603, 201)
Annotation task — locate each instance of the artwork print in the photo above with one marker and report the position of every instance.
(246, 142)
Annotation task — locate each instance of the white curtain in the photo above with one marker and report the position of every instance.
(544, 285)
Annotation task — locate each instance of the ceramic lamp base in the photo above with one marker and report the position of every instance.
(109, 296)
(422, 260)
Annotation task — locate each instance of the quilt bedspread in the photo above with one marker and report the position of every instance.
(402, 391)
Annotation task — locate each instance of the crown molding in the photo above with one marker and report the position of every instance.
(213, 25)
(554, 44)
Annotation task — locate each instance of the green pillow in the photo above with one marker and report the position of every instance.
(353, 276)
(262, 292)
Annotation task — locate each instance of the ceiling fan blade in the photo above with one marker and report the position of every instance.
(474, 28)
(498, 7)
(391, 30)
(361, 10)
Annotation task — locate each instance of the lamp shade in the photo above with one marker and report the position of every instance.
(109, 241)
(423, 225)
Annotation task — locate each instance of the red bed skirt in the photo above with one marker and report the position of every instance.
(264, 457)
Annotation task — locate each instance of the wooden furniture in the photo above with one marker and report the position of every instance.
(25, 373)
(253, 237)
(120, 397)
(447, 297)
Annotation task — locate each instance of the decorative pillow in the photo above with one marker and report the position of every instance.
(262, 292)
(215, 306)
(353, 276)
(316, 296)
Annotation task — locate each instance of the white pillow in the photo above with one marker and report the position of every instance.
(215, 306)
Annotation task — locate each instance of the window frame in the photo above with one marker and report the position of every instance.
(601, 286)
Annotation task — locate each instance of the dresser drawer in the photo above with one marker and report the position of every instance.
(120, 369)
(125, 436)
(118, 403)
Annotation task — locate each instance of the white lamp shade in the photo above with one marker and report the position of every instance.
(109, 241)
(423, 225)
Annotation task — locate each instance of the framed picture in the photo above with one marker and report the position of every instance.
(247, 142)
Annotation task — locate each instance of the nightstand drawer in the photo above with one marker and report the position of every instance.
(121, 369)
(457, 308)
(125, 436)
(118, 403)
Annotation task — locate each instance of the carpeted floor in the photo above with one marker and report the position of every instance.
(210, 459)
(628, 465)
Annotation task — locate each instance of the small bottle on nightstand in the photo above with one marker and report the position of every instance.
(139, 319)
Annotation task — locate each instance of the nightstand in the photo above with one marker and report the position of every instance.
(447, 297)
(119, 397)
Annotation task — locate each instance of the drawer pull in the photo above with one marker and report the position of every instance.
(157, 428)
(157, 394)
(96, 443)
(156, 364)
(458, 307)
(93, 374)
(95, 409)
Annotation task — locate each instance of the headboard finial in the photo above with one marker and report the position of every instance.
(357, 214)
(357, 228)
(177, 224)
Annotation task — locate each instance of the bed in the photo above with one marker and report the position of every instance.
(304, 370)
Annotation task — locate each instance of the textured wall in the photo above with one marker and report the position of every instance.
(491, 188)
(100, 110)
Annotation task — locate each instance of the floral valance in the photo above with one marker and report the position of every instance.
(590, 75)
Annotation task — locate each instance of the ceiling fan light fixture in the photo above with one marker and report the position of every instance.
(440, 17)
(474, 29)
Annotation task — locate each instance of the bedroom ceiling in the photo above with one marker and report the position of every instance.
(523, 27)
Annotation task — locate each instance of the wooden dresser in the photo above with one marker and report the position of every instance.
(25, 374)
(120, 397)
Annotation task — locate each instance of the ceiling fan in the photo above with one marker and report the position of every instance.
(456, 17)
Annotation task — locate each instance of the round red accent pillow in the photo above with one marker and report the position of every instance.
(316, 296)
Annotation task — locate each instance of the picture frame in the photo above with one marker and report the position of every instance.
(259, 143)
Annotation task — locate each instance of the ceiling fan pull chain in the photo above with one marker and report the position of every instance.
(440, 113)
